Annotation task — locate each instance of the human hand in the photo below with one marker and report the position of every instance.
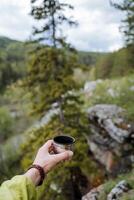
(46, 160)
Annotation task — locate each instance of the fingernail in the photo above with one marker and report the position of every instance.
(70, 153)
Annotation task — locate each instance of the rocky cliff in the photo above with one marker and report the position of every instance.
(111, 142)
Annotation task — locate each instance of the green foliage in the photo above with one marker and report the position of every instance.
(50, 76)
(114, 65)
(81, 76)
(14, 56)
(6, 124)
(5, 42)
(87, 71)
(12, 61)
(122, 96)
(127, 6)
(70, 178)
(50, 80)
(10, 154)
(108, 186)
(120, 63)
(104, 66)
(89, 58)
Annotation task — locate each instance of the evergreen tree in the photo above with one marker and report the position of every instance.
(127, 6)
(50, 76)
(50, 82)
(51, 69)
(51, 12)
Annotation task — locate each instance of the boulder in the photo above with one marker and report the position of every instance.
(93, 194)
(111, 138)
(118, 190)
(111, 143)
(90, 86)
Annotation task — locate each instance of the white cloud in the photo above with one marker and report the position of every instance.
(97, 30)
(98, 26)
(15, 21)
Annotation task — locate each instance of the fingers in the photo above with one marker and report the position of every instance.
(47, 145)
(63, 156)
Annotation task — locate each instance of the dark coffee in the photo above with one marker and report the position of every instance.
(63, 139)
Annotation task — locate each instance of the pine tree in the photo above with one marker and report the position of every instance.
(51, 12)
(50, 82)
(127, 6)
(50, 76)
(51, 68)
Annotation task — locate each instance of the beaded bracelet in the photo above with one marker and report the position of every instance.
(41, 172)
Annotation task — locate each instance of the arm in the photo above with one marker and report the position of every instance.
(18, 188)
(23, 187)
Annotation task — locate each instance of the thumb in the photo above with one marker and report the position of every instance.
(63, 156)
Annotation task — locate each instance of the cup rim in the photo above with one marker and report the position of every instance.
(68, 136)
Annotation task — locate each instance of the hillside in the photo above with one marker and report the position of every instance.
(17, 51)
(13, 59)
(14, 56)
(90, 58)
(107, 154)
(116, 64)
(5, 42)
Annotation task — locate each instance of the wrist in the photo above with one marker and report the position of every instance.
(34, 175)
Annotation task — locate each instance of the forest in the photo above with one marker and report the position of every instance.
(49, 88)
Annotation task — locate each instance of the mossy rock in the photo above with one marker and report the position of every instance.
(103, 190)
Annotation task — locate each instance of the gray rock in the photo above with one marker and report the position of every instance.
(93, 194)
(103, 156)
(108, 117)
(104, 111)
(112, 92)
(111, 138)
(90, 86)
(116, 133)
(46, 118)
(118, 190)
(132, 88)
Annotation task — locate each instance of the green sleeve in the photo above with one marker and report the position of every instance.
(18, 188)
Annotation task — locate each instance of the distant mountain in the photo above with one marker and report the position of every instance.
(5, 42)
(14, 57)
(87, 58)
(90, 58)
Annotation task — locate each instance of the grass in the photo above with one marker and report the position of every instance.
(123, 94)
(109, 185)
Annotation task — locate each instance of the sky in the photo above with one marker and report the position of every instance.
(98, 28)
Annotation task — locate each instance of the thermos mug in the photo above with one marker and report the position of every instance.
(62, 143)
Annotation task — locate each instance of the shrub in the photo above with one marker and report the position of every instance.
(6, 124)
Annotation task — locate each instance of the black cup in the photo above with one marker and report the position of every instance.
(62, 143)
